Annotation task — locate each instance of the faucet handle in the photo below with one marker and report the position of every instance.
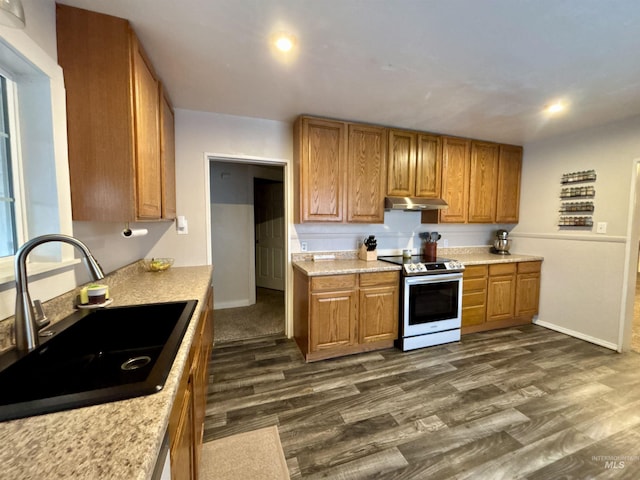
(41, 319)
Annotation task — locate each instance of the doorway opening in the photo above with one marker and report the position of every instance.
(635, 330)
(630, 329)
(248, 249)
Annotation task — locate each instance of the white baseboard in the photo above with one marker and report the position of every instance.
(573, 333)
(232, 304)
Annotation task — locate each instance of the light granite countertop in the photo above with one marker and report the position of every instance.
(340, 266)
(347, 262)
(117, 440)
(480, 258)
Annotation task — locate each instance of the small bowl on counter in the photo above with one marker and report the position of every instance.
(157, 264)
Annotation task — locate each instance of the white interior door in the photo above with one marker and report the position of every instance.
(269, 219)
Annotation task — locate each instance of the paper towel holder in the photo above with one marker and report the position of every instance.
(128, 232)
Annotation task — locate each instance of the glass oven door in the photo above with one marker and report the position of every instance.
(432, 303)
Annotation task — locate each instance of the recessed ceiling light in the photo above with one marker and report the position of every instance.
(555, 107)
(284, 42)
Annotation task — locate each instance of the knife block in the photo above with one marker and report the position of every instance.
(363, 254)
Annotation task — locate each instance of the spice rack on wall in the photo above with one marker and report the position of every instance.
(576, 202)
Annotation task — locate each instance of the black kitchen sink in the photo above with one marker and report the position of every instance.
(95, 356)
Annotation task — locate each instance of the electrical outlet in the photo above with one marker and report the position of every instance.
(445, 243)
(601, 227)
(304, 247)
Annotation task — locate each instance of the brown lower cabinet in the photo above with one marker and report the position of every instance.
(474, 296)
(500, 295)
(501, 292)
(337, 315)
(186, 423)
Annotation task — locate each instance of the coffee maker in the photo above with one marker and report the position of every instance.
(502, 243)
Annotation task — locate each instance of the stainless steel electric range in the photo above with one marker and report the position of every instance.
(431, 301)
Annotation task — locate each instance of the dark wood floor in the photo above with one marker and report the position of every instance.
(516, 403)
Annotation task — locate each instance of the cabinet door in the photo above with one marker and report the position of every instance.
(428, 166)
(148, 171)
(200, 376)
(528, 294)
(483, 182)
(321, 161)
(366, 174)
(94, 51)
(528, 289)
(508, 195)
(182, 453)
(455, 179)
(378, 314)
(401, 171)
(333, 320)
(501, 292)
(167, 158)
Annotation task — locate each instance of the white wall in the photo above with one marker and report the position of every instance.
(199, 134)
(41, 24)
(232, 234)
(583, 275)
(400, 230)
(232, 230)
(114, 251)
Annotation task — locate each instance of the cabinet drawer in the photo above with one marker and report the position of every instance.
(529, 267)
(474, 284)
(502, 269)
(332, 282)
(473, 299)
(474, 315)
(378, 278)
(475, 271)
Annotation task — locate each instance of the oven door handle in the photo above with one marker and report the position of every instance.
(422, 279)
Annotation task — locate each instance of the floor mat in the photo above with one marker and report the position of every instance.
(255, 455)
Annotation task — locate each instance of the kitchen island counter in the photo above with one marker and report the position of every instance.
(116, 440)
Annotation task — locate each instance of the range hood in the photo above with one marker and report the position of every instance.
(414, 204)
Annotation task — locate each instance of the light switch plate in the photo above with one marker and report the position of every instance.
(182, 226)
(601, 227)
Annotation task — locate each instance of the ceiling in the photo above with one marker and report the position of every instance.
(476, 68)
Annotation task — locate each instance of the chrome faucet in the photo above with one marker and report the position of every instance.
(30, 320)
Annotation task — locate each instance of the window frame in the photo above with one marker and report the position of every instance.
(39, 140)
(19, 212)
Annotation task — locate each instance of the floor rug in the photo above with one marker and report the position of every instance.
(255, 455)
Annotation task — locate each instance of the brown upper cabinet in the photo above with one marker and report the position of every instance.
(455, 182)
(415, 161)
(344, 170)
(483, 177)
(120, 133)
(340, 171)
(508, 195)
(167, 156)
(366, 173)
(480, 182)
(320, 156)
